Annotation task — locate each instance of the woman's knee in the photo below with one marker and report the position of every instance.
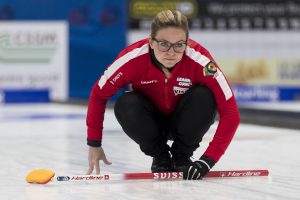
(201, 93)
(195, 113)
(127, 102)
(127, 99)
(200, 96)
(133, 104)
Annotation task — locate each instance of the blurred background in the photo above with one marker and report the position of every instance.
(54, 51)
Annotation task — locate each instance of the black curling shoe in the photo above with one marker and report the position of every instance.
(162, 163)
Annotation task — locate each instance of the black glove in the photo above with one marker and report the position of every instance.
(199, 168)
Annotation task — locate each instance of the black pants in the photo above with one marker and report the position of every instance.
(186, 126)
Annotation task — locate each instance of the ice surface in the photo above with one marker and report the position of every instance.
(53, 136)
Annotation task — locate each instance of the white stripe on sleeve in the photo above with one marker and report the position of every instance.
(224, 85)
(203, 61)
(120, 62)
(197, 56)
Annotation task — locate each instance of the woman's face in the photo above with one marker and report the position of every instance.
(176, 37)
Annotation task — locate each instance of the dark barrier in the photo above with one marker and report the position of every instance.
(222, 14)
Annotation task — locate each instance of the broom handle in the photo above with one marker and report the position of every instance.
(161, 175)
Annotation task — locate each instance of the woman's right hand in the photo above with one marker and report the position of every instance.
(95, 155)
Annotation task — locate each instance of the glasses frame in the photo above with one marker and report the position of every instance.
(171, 45)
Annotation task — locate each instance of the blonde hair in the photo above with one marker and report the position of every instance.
(169, 18)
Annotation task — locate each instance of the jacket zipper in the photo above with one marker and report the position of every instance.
(167, 94)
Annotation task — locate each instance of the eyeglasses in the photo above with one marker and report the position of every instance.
(165, 46)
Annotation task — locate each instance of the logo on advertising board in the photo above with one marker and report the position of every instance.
(148, 9)
(245, 93)
(27, 46)
(34, 54)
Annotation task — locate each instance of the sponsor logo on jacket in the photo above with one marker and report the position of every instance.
(210, 70)
(183, 85)
(184, 81)
(116, 78)
(148, 82)
(179, 90)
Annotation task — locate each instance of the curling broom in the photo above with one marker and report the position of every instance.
(43, 176)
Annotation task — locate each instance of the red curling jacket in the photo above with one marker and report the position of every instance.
(134, 65)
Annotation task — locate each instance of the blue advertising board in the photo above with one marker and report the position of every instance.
(97, 33)
(251, 93)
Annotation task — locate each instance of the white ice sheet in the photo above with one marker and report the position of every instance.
(54, 137)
